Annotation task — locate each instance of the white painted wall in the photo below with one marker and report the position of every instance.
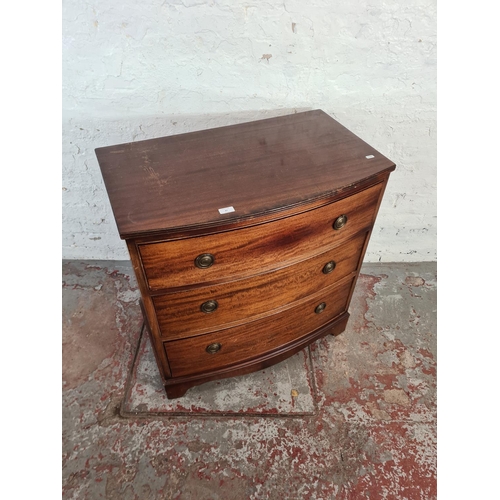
(137, 70)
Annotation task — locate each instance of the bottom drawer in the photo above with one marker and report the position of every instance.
(227, 347)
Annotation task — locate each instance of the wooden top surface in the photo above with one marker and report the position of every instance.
(258, 167)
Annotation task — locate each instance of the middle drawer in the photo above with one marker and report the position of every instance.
(205, 309)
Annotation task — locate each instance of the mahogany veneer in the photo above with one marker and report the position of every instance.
(246, 240)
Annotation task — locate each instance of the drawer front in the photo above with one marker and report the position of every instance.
(201, 310)
(234, 345)
(245, 252)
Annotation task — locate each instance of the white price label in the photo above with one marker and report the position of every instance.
(226, 210)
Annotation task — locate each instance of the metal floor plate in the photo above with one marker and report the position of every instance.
(285, 389)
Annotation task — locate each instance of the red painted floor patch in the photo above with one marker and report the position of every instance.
(285, 389)
(363, 425)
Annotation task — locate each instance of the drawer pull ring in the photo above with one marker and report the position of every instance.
(340, 222)
(329, 267)
(209, 306)
(213, 348)
(320, 308)
(204, 260)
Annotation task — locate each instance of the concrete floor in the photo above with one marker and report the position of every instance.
(363, 425)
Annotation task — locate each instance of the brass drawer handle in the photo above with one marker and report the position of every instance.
(320, 308)
(209, 306)
(204, 260)
(213, 348)
(329, 267)
(340, 222)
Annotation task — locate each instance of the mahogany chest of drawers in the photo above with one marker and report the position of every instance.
(246, 240)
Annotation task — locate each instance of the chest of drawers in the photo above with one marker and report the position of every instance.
(246, 240)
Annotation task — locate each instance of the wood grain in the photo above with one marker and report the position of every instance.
(180, 315)
(148, 312)
(189, 356)
(288, 179)
(258, 167)
(177, 387)
(260, 248)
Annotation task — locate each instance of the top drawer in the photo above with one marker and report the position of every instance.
(245, 252)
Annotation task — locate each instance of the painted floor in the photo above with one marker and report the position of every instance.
(352, 417)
